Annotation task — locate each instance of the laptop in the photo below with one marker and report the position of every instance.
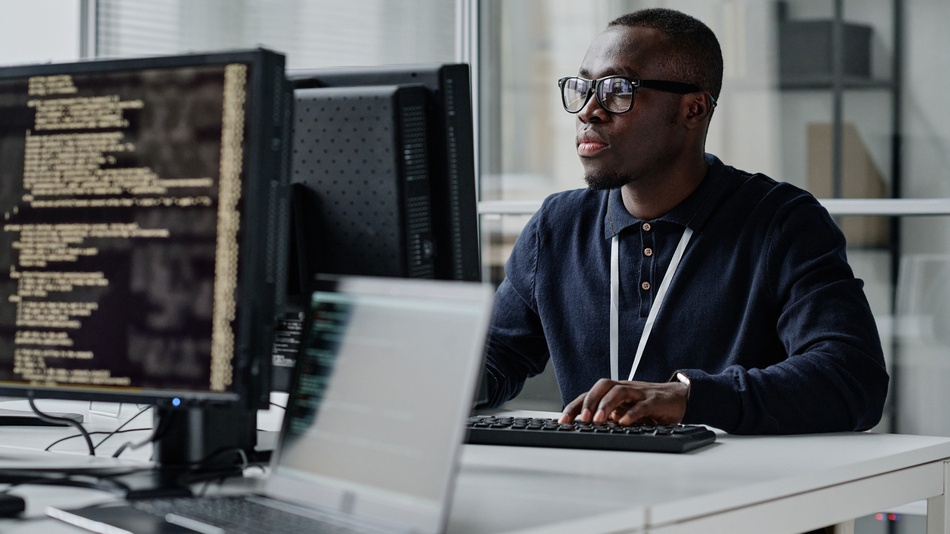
(375, 420)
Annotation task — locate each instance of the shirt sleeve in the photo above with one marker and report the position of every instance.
(834, 378)
(516, 348)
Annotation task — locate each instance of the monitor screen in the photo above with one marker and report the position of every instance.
(143, 204)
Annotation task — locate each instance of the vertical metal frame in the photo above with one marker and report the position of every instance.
(466, 51)
(88, 29)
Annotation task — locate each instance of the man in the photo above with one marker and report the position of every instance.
(676, 288)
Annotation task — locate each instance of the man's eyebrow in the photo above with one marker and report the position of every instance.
(619, 71)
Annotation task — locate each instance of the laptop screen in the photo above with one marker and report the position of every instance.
(385, 383)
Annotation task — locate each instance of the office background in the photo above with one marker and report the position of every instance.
(872, 126)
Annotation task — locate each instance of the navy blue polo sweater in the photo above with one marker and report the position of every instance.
(764, 314)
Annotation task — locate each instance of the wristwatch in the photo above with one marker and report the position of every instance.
(685, 380)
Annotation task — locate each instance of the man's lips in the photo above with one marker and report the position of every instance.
(590, 145)
(587, 149)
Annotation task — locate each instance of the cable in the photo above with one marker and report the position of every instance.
(59, 420)
(110, 479)
(109, 433)
(220, 475)
(95, 478)
(119, 430)
(156, 434)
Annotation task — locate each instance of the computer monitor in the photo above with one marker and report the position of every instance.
(447, 140)
(361, 182)
(382, 181)
(144, 206)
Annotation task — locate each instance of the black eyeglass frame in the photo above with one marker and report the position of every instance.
(680, 88)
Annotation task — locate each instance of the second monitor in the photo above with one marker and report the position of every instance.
(383, 181)
(361, 195)
(423, 113)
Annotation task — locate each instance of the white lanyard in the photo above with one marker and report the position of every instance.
(654, 309)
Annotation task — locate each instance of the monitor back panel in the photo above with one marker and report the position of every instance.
(364, 205)
(451, 154)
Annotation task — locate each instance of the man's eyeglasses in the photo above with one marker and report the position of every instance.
(615, 93)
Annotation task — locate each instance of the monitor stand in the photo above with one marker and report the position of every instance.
(194, 442)
(10, 417)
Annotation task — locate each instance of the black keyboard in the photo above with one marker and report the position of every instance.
(534, 432)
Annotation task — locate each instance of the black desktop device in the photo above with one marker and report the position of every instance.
(361, 176)
(382, 182)
(449, 147)
(145, 222)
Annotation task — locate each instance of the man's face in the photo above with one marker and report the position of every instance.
(638, 145)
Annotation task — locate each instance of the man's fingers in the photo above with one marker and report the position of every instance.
(662, 404)
(584, 407)
(593, 402)
(628, 403)
(635, 413)
(572, 410)
(619, 398)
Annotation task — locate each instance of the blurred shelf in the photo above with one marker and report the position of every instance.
(825, 83)
(898, 207)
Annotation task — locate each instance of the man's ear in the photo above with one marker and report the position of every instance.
(699, 106)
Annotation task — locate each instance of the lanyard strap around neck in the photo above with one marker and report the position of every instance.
(654, 309)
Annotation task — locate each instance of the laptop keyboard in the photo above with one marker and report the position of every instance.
(247, 515)
(538, 432)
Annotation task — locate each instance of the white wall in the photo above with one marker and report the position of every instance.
(38, 31)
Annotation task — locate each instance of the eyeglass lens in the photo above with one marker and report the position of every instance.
(615, 94)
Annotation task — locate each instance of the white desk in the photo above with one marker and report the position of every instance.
(740, 484)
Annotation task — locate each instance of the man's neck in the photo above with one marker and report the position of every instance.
(650, 198)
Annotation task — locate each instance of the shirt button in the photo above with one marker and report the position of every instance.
(648, 252)
(645, 286)
(647, 227)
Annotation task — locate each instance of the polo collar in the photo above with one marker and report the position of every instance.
(692, 212)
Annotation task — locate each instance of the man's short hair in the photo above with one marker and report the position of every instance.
(692, 48)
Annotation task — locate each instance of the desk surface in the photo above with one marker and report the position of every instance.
(594, 491)
(512, 489)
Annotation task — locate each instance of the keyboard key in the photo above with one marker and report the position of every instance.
(246, 516)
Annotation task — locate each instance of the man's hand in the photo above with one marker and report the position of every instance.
(628, 402)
